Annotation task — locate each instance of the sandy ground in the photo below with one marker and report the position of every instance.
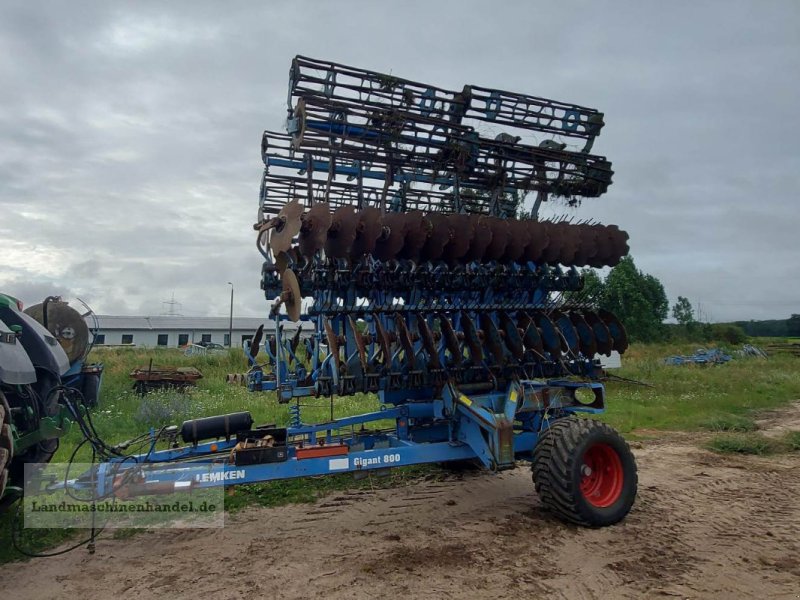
(704, 526)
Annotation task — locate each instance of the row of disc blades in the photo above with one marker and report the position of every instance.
(451, 237)
(503, 340)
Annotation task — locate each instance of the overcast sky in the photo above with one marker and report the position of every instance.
(129, 133)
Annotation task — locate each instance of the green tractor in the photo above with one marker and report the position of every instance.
(43, 354)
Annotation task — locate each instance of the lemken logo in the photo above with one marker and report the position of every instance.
(219, 476)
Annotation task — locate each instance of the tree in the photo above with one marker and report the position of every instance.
(683, 311)
(793, 326)
(638, 299)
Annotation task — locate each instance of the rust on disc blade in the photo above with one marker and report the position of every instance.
(342, 232)
(481, 238)
(552, 251)
(500, 235)
(405, 341)
(571, 241)
(428, 343)
(537, 241)
(617, 330)
(418, 227)
(333, 344)
(604, 246)
(531, 336)
(255, 343)
(439, 237)
(462, 232)
(391, 240)
(280, 239)
(587, 247)
(517, 242)
(314, 228)
(602, 336)
(367, 232)
(585, 334)
(512, 337)
(291, 296)
(360, 347)
(384, 343)
(281, 261)
(451, 340)
(471, 338)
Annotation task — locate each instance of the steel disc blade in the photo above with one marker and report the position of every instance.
(462, 232)
(569, 337)
(440, 235)
(280, 239)
(405, 341)
(255, 343)
(512, 337)
(587, 247)
(538, 241)
(471, 338)
(501, 232)
(531, 336)
(360, 346)
(569, 246)
(588, 345)
(367, 232)
(518, 240)
(295, 341)
(602, 335)
(552, 251)
(314, 228)
(417, 230)
(603, 244)
(481, 238)
(384, 343)
(292, 299)
(428, 342)
(342, 232)
(551, 340)
(616, 329)
(492, 339)
(333, 344)
(391, 240)
(451, 340)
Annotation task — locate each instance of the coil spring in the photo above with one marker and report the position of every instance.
(294, 415)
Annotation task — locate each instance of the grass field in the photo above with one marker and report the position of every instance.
(719, 398)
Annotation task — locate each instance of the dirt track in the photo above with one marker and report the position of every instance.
(704, 526)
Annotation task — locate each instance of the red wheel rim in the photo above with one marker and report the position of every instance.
(601, 475)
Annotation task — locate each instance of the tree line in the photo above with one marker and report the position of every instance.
(640, 302)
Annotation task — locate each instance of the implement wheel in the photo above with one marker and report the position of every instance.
(584, 472)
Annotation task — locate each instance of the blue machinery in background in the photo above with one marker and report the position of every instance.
(433, 285)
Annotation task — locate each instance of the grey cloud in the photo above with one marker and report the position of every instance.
(130, 162)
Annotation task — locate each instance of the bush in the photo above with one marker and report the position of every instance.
(727, 332)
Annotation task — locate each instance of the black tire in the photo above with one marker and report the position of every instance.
(566, 483)
(6, 443)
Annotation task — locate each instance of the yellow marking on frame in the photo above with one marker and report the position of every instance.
(465, 400)
(513, 396)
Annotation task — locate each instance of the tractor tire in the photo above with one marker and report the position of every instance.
(584, 472)
(6, 443)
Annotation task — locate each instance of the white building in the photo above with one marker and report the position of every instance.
(173, 332)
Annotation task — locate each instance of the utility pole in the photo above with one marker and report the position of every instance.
(230, 321)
